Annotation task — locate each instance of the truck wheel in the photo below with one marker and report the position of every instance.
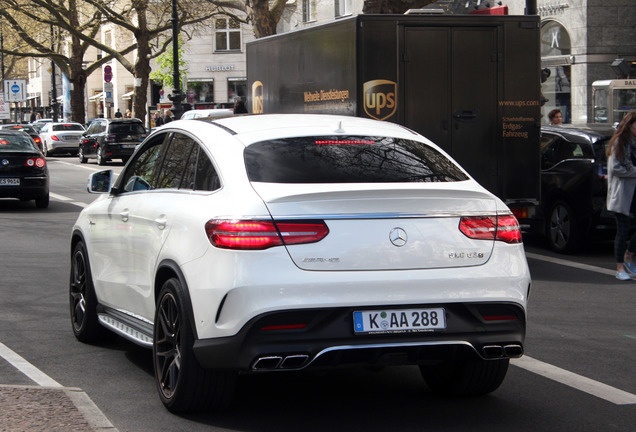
(473, 377)
(183, 385)
(562, 228)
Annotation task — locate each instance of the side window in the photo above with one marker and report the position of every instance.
(141, 172)
(207, 178)
(175, 162)
(549, 147)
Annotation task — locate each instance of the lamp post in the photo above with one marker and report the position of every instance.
(177, 96)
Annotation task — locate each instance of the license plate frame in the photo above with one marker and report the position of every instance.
(9, 181)
(412, 320)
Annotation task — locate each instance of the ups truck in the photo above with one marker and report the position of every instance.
(471, 84)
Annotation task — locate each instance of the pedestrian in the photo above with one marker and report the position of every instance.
(128, 114)
(168, 117)
(38, 116)
(555, 117)
(621, 184)
(239, 107)
(118, 114)
(158, 119)
(33, 118)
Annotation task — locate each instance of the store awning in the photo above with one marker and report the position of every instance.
(96, 97)
(128, 95)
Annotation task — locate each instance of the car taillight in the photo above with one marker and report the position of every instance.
(503, 228)
(54, 138)
(246, 234)
(38, 162)
(37, 140)
(110, 137)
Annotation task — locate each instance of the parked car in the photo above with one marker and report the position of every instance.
(108, 139)
(285, 242)
(28, 129)
(23, 171)
(198, 113)
(61, 137)
(573, 185)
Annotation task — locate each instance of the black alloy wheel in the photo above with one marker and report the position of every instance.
(183, 385)
(562, 228)
(83, 301)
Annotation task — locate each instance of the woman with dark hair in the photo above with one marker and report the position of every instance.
(555, 116)
(621, 184)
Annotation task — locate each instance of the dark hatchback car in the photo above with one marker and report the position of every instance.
(108, 139)
(573, 185)
(23, 171)
(30, 130)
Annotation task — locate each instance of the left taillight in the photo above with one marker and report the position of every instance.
(37, 162)
(248, 234)
(501, 227)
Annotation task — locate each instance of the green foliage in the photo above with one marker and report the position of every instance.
(164, 71)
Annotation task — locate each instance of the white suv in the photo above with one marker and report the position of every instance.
(284, 242)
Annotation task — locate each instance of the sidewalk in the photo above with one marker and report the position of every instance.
(50, 409)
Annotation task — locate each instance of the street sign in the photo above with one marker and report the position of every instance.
(5, 112)
(15, 90)
(108, 73)
(108, 92)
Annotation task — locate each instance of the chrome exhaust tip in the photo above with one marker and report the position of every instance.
(294, 361)
(513, 351)
(493, 351)
(267, 363)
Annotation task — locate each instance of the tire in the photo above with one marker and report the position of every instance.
(42, 202)
(183, 385)
(472, 377)
(83, 301)
(45, 149)
(101, 158)
(562, 228)
(80, 154)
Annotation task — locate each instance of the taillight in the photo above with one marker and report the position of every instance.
(37, 140)
(503, 228)
(110, 137)
(38, 162)
(54, 138)
(246, 234)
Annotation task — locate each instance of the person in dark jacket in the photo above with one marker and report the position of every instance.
(239, 107)
(158, 119)
(168, 117)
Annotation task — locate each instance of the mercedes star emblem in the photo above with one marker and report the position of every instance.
(398, 237)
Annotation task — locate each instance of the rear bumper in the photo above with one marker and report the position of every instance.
(328, 339)
(117, 151)
(30, 188)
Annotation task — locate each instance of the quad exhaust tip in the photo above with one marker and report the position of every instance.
(294, 361)
(502, 351)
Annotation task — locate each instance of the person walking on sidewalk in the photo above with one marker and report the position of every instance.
(621, 184)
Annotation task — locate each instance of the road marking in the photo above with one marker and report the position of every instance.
(587, 385)
(27, 368)
(571, 264)
(67, 199)
(88, 167)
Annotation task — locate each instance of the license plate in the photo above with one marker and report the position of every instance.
(128, 146)
(9, 182)
(399, 321)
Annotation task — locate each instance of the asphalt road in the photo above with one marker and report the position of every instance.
(579, 372)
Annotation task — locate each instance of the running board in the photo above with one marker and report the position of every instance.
(136, 330)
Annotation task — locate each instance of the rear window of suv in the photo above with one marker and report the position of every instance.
(127, 128)
(352, 159)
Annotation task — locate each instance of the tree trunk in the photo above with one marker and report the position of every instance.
(142, 65)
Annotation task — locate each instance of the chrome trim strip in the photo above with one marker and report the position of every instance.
(430, 215)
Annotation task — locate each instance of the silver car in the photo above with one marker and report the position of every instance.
(61, 137)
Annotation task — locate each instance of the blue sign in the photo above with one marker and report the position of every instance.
(15, 88)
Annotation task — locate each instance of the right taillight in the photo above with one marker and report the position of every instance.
(249, 234)
(503, 228)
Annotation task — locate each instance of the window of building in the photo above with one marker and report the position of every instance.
(236, 88)
(343, 7)
(309, 10)
(200, 92)
(555, 51)
(228, 34)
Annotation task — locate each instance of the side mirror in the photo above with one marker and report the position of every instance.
(100, 182)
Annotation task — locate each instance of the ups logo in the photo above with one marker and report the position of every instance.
(257, 97)
(379, 98)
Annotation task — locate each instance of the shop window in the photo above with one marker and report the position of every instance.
(228, 34)
(343, 7)
(309, 10)
(236, 88)
(200, 92)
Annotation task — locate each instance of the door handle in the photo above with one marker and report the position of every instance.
(465, 115)
(124, 215)
(161, 222)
